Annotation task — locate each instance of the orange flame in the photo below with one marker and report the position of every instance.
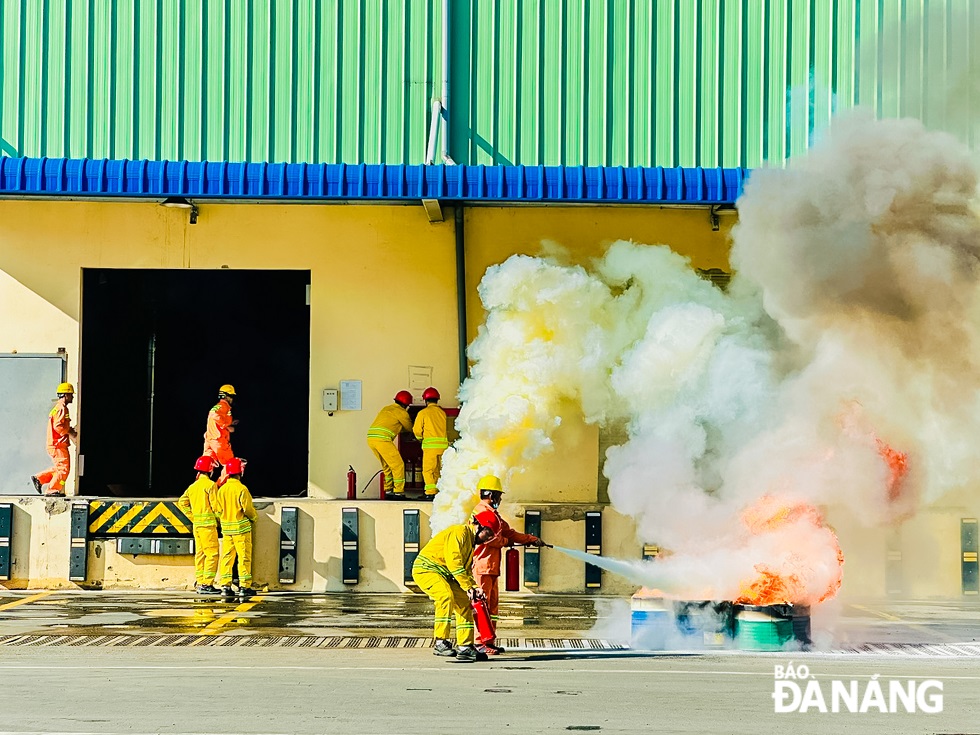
(898, 468)
(786, 585)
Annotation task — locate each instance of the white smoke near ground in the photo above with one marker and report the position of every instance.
(840, 368)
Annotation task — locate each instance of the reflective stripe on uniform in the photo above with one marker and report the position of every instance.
(428, 565)
(380, 432)
(436, 442)
(234, 528)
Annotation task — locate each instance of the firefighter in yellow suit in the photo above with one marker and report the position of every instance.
(196, 502)
(430, 429)
(385, 428)
(233, 504)
(442, 571)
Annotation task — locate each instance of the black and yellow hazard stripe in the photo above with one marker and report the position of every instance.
(124, 518)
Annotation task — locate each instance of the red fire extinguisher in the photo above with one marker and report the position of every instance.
(484, 625)
(351, 483)
(513, 561)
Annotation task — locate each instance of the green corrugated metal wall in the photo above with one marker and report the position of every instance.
(614, 82)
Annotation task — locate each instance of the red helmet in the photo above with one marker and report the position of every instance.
(488, 519)
(430, 392)
(204, 464)
(235, 466)
(403, 397)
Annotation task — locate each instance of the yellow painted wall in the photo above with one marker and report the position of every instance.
(383, 293)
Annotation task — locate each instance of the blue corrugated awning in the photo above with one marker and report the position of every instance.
(102, 178)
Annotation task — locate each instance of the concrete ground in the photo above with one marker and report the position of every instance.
(101, 662)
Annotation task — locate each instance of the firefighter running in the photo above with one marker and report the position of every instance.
(196, 502)
(442, 571)
(430, 429)
(59, 435)
(387, 425)
(233, 504)
(217, 436)
(486, 559)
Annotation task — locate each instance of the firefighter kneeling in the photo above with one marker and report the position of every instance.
(442, 571)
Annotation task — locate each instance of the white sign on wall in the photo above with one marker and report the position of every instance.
(350, 395)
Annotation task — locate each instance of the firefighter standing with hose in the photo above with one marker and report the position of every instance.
(486, 559)
(387, 425)
(430, 429)
(217, 436)
(60, 433)
(233, 503)
(197, 503)
(442, 571)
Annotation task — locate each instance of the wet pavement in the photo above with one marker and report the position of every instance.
(404, 620)
(269, 614)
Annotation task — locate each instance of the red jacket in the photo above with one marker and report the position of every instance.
(486, 557)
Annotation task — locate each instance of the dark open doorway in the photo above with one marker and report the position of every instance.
(157, 344)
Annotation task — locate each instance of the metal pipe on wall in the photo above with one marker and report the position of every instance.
(445, 83)
(460, 288)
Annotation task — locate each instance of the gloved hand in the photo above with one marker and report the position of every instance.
(475, 593)
(539, 543)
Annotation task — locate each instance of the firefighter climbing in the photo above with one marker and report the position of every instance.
(59, 435)
(221, 425)
(197, 503)
(486, 559)
(430, 429)
(233, 504)
(387, 425)
(442, 571)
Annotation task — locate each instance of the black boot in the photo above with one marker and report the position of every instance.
(443, 648)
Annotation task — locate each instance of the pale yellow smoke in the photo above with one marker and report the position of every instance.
(849, 334)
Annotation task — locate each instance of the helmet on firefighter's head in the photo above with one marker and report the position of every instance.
(235, 466)
(430, 394)
(227, 390)
(204, 464)
(488, 519)
(489, 483)
(403, 397)
(65, 389)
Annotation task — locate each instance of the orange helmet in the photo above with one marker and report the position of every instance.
(204, 464)
(488, 519)
(235, 466)
(430, 393)
(403, 397)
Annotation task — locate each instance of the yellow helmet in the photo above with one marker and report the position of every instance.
(228, 390)
(65, 388)
(490, 483)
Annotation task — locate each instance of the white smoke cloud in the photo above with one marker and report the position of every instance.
(839, 368)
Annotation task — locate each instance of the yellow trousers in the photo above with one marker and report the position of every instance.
(240, 545)
(450, 599)
(392, 464)
(205, 554)
(431, 468)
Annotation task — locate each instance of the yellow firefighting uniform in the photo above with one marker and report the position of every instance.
(196, 503)
(486, 560)
(233, 504)
(430, 429)
(442, 571)
(388, 424)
